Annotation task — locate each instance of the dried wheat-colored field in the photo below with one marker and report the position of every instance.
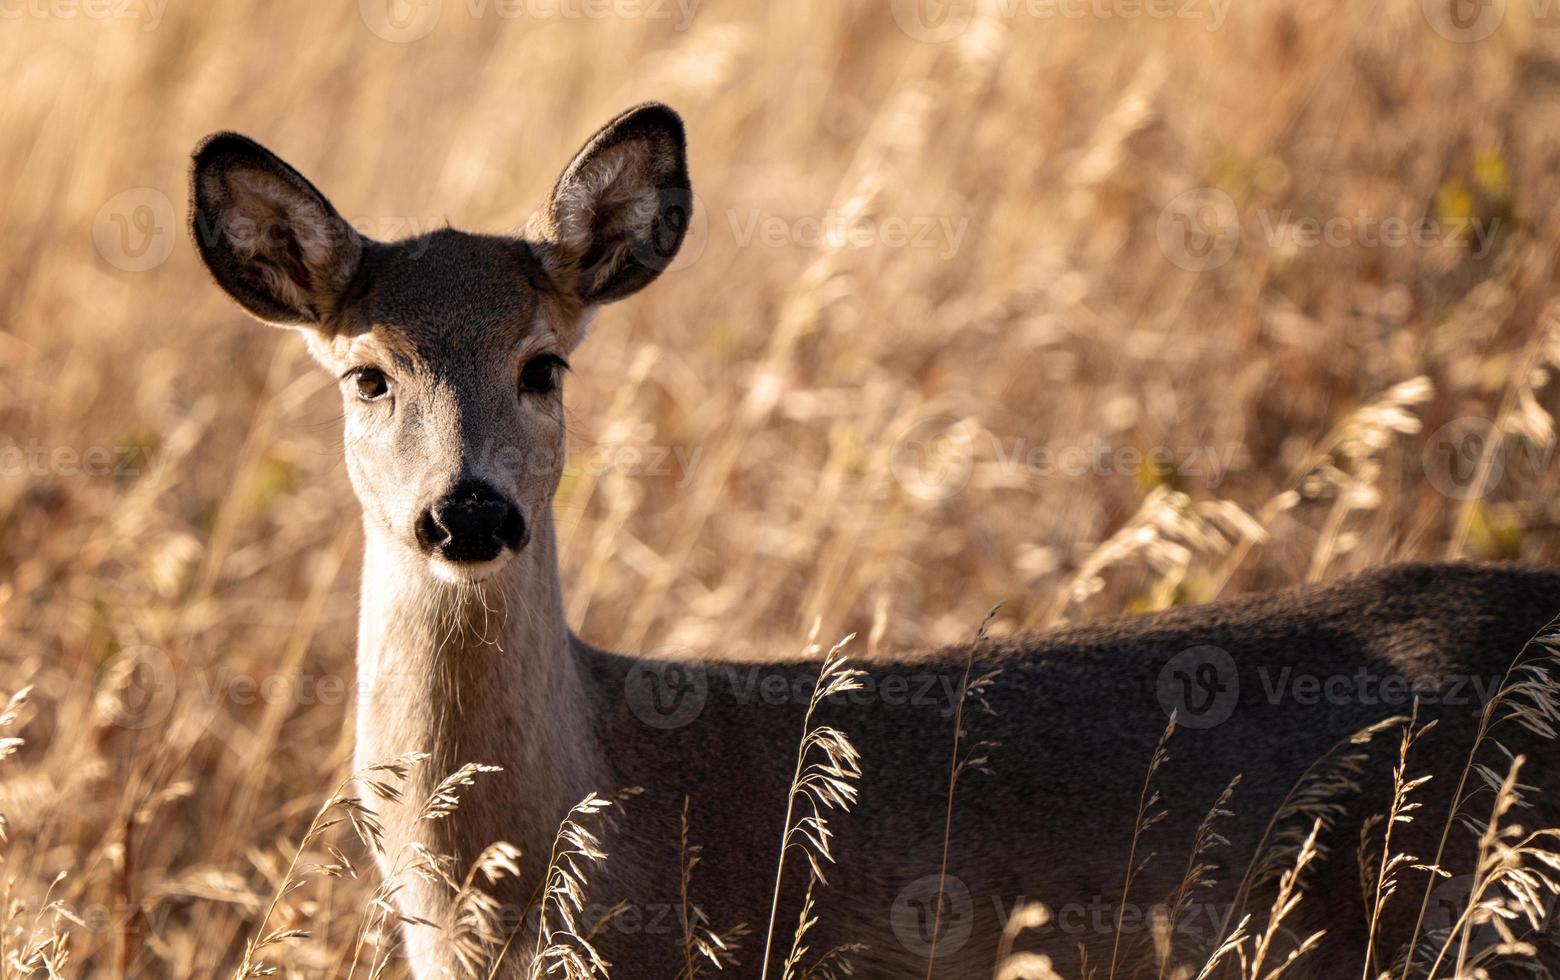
(1085, 312)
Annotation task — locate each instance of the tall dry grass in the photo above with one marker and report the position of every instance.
(851, 426)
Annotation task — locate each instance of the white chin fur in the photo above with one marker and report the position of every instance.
(466, 572)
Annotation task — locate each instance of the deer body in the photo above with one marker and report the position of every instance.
(451, 349)
(1077, 715)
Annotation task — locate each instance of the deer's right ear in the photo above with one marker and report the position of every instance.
(619, 212)
(268, 236)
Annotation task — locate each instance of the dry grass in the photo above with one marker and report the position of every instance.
(179, 537)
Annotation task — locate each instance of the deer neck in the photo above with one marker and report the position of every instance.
(484, 673)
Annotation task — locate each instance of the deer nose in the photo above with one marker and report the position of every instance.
(473, 523)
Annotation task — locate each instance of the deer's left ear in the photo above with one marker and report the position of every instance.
(619, 212)
(268, 236)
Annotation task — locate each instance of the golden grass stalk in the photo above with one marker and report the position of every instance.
(1529, 697)
(1350, 462)
(1168, 531)
(1284, 902)
(1345, 463)
(1519, 414)
(562, 947)
(1026, 916)
(824, 778)
(1026, 966)
(1401, 811)
(1312, 797)
(1195, 874)
(41, 945)
(1514, 879)
(976, 760)
(700, 941)
(387, 779)
(1148, 814)
(471, 929)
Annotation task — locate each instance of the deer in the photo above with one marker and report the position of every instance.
(452, 350)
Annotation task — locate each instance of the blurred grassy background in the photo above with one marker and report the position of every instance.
(958, 268)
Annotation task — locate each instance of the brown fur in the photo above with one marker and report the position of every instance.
(488, 671)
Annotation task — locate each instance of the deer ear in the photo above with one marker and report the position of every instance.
(619, 212)
(268, 236)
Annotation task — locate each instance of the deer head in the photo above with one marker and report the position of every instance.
(450, 347)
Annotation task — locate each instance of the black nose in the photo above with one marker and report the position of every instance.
(473, 523)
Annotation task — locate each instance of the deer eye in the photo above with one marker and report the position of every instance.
(540, 374)
(370, 384)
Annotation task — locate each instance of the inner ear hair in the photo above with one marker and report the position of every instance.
(611, 197)
(619, 211)
(305, 254)
(268, 236)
